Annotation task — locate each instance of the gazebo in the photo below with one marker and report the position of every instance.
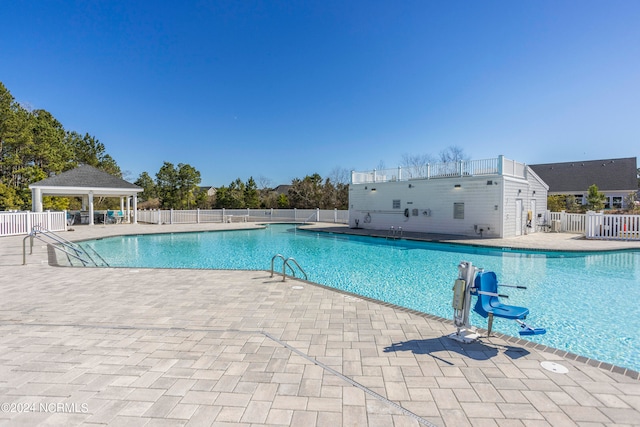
(87, 182)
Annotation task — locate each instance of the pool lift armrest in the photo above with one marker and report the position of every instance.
(474, 291)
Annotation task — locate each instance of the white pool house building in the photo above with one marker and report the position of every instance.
(485, 198)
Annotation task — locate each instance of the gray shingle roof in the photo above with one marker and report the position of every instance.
(86, 176)
(607, 174)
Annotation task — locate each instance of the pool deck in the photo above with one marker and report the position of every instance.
(163, 347)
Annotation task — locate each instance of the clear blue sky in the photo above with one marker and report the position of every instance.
(284, 89)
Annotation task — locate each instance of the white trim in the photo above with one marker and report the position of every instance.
(84, 190)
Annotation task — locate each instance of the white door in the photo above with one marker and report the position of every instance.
(534, 217)
(518, 217)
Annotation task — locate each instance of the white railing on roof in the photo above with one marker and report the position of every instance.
(17, 223)
(197, 216)
(497, 166)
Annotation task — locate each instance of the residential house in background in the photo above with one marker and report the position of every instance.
(488, 198)
(616, 178)
(282, 189)
(211, 191)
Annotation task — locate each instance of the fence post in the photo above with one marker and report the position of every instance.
(28, 221)
(589, 226)
(48, 219)
(295, 214)
(335, 215)
(159, 217)
(197, 215)
(223, 215)
(318, 214)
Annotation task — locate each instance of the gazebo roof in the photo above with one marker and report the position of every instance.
(84, 179)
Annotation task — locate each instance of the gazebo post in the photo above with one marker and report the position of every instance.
(36, 199)
(129, 209)
(91, 208)
(135, 208)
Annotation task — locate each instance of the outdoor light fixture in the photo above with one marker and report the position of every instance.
(410, 185)
(373, 189)
(456, 186)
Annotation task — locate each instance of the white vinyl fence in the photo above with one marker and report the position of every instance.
(612, 227)
(16, 223)
(197, 216)
(596, 225)
(567, 222)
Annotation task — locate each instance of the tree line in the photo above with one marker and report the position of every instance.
(177, 187)
(34, 145)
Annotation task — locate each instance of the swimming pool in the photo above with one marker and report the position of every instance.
(586, 301)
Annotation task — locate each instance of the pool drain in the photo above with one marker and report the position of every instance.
(554, 367)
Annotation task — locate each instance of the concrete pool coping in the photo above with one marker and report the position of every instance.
(549, 241)
(198, 347)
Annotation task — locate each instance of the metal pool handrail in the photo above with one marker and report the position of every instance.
(285, 264)
(67, 247)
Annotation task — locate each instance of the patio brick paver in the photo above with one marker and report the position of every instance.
(195, 347)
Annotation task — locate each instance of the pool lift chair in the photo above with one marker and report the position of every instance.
(484, 285)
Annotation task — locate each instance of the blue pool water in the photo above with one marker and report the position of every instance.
(586, 301)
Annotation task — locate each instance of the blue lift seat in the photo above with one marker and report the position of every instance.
(488, 303)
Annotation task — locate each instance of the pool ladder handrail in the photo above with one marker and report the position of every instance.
(394, 233)
(285, 264)
(72, 250)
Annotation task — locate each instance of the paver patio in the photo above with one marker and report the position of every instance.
(88, 346)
